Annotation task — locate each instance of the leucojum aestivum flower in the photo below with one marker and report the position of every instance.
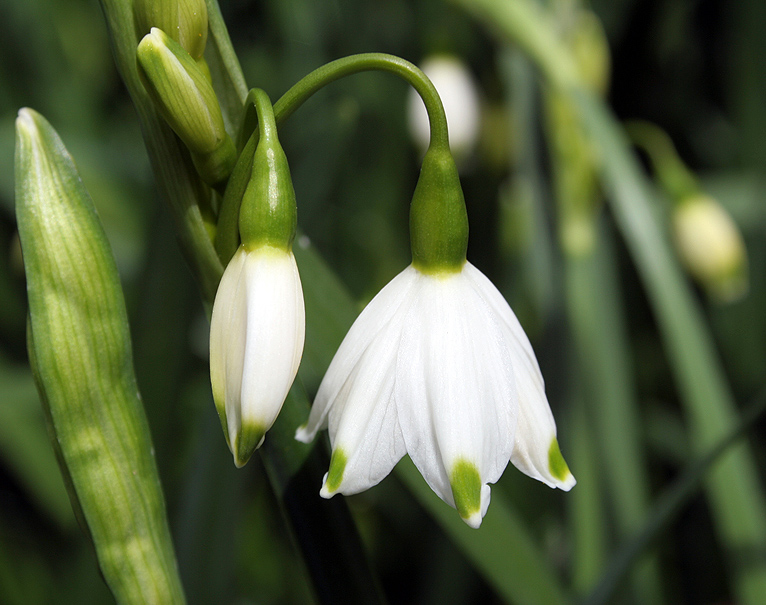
(437, 366)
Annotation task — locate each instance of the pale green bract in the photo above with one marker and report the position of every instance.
(80, 352)
(438, 367)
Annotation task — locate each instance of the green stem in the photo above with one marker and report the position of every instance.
(677, 180)
(266, 121)
(227, 235)
(302, 90)
(347, 66)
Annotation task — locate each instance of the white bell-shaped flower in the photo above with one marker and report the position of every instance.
(437, 366)
(256, 342)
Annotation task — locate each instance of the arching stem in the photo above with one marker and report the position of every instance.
(227, 236)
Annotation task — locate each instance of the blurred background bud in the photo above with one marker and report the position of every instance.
(460, 97)
(711, 246)
(591, 51)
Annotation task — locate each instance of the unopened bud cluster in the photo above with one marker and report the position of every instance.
(177, 79)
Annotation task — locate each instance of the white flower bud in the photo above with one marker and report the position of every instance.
(256, 342)
(711, 247)
(456, 87)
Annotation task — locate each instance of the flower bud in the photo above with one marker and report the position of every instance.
(457, 89)
(591, 51)
(183, 20)
(257, 329)
(711, 247)
(187, 101)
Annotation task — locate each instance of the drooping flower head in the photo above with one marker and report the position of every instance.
(257, 328)
(437, 367)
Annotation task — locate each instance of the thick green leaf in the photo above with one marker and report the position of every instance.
(80, 352)
(501, 549)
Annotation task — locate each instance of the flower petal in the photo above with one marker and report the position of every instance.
(372, 321)
(503, 311)
(536, 452)
(227, 344)
(364, 428)
(455, 391)
(274, 341)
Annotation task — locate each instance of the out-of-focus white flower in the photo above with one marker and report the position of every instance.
(459, 95)
(437, 366)
(256, 342)
(711, 247)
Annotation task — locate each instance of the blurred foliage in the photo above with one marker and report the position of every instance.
(691, 67)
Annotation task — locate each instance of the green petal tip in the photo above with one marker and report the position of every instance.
(465, 481)
(558, 467)
(335, 475)
(249, 439)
